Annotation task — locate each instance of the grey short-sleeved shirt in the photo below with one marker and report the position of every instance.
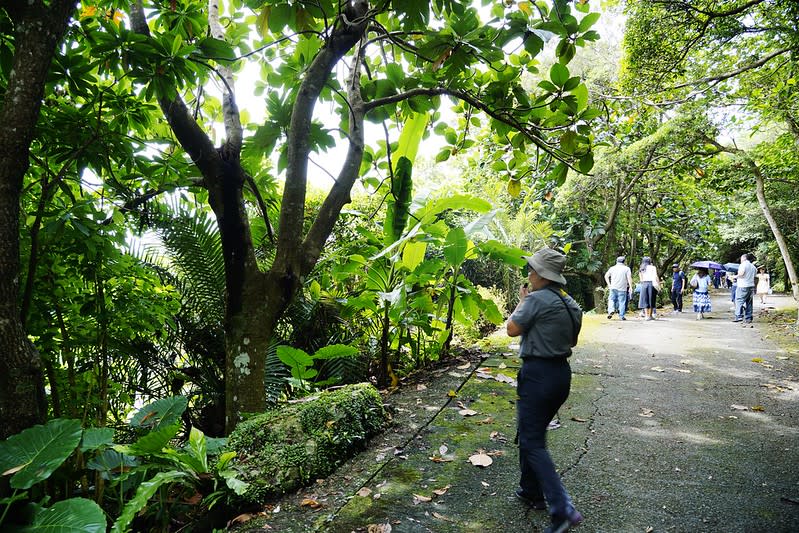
(545, 323)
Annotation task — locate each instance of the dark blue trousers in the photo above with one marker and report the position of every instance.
(543, 386)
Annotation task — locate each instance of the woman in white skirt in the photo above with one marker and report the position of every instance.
(701, 282)
(763, 284)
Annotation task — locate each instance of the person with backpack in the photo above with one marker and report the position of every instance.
(548, 321)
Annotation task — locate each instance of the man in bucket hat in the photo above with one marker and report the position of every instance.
(549, 322)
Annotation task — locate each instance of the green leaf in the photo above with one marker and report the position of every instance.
(558, 174)
(335, 351)
(163, 412)
(216, 48)
(294, 358)
(153, 442)
(455, 246)
(559, 74)
(143, 495)
(197, 450)
(586, 163)
(35, 453)
(581, 93)
(502, 252)
(588, 21)
(411, 137)
(413, 254)
(514, 188)
(76, 515)
(94, 438)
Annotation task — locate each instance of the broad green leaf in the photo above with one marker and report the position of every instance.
(514, 188)
(197, 449)
(294, 358)
(588, 21)
(558, 174)
(508, 254)
(413, 254)
(335, 351)
(75, 515)
(94, 438)
(216, 48)
(581, 93)
(152, 442)
(35, 453)
(559, 74)
(163, 412)
(411, 137)
(143, 495)
(455, 246)
(586, 163)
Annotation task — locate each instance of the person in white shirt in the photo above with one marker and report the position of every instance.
(619, 280)
(745, 292)
(650, 284)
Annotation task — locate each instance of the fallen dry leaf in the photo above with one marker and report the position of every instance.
(443, 449)
(240, 519)
(484, 484)
(758, 408)
(310, 502)
(757, 359)
(442, 458)
(418, 498)
(648, 413)
(364, 492)
(421, 387)
(452, 393)
(378, 528)
(657, 369)
(683, 370)
(489, 420)
(578, 419)
(496, 453)
(481, 459)
(464, 366)
(737, 407)
(442, 517)
(442, 490)
(467, 412)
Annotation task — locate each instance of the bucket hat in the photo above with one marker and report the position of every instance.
(548, 264)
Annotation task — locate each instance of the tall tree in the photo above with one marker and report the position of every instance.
(37, 28)
(400, 58)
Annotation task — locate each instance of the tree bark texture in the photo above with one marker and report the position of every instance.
(760, 190)
(37, 31)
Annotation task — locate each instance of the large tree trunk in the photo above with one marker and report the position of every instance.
(255, 300)
(775, 230)
(37, 32)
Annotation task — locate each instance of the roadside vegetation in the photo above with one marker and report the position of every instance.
(229, 206)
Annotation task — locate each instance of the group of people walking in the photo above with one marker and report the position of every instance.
(620, 285)
(548, 321)
(619, 280)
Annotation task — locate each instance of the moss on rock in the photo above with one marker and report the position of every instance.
(290, 446)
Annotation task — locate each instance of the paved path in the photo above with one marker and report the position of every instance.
(673, 425)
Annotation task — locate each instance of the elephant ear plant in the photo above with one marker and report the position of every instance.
(149, 483)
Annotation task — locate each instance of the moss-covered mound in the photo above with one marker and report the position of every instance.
(288, 447)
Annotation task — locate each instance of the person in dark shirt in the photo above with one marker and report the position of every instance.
(677, 287)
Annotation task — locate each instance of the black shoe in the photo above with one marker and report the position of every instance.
(623, 318)
(560, 525)
(538, 504)
(610, 315)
